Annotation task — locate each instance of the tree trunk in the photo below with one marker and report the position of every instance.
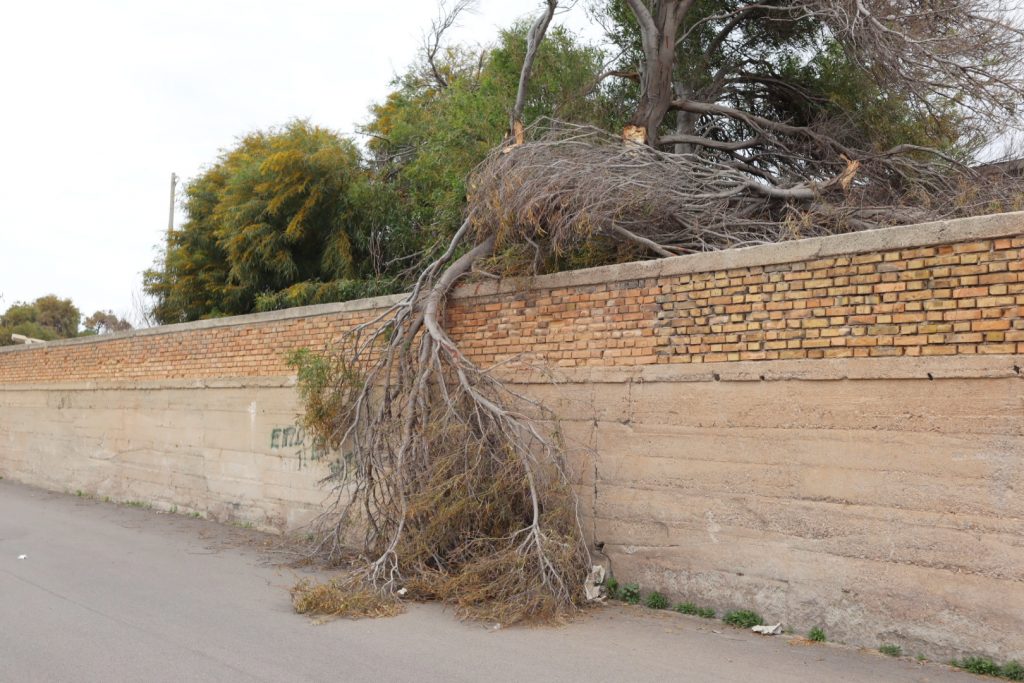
(658, 28)
(685, 121)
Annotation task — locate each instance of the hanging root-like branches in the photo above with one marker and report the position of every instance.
(461, 493)
(458, 483)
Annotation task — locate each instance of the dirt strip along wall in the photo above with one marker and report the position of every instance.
(829, 431)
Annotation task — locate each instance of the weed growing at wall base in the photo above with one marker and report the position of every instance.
(630, 593)
(891, 650)
(690, 608)
(743, 618)
(656, 600)
(1012, 671)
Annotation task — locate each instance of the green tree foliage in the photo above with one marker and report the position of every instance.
(295, 216)
(427, 136)
(784, 68)
(283, 208)
(19, 314)
(48, 317)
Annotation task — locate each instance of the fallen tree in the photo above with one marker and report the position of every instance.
(458, 484)
(461, 494)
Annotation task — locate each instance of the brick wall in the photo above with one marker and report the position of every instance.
(952, 299)
(930, 294)
(246, 346)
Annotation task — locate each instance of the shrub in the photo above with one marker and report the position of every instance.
(656, 600)
(630, 593)
(986, 667)
(1014, 671)
(743, 618)
(816, 634)
(979, 665)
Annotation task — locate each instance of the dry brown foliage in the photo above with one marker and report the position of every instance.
(459, 495)
(341, 597)
(569, 185)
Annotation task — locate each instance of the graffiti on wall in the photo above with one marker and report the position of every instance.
(292, 439)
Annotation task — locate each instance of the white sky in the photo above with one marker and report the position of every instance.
(100, 101)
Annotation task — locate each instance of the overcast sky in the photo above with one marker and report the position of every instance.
(102, 100)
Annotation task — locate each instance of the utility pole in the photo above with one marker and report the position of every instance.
(170, 220)
(170, 213)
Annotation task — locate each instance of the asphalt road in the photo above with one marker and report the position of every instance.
(113, 593)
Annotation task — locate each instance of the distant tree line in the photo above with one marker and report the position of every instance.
(50, 317)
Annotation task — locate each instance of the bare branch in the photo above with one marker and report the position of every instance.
(533, 41)
(446, 19)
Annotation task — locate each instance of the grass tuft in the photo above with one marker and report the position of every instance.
(686, 608)
(816, 635)
(743, 618)
(656, 600)
(891, 650)
(690, 608)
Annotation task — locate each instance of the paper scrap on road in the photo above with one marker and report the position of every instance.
(22, 557)
(594, 586)
(766, 630)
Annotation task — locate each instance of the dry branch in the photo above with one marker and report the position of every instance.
(569, 184)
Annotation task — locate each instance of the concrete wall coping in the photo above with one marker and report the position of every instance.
(809, 249)
(280, 381)
(1000, 366)
(807, 369)
(884, 239)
